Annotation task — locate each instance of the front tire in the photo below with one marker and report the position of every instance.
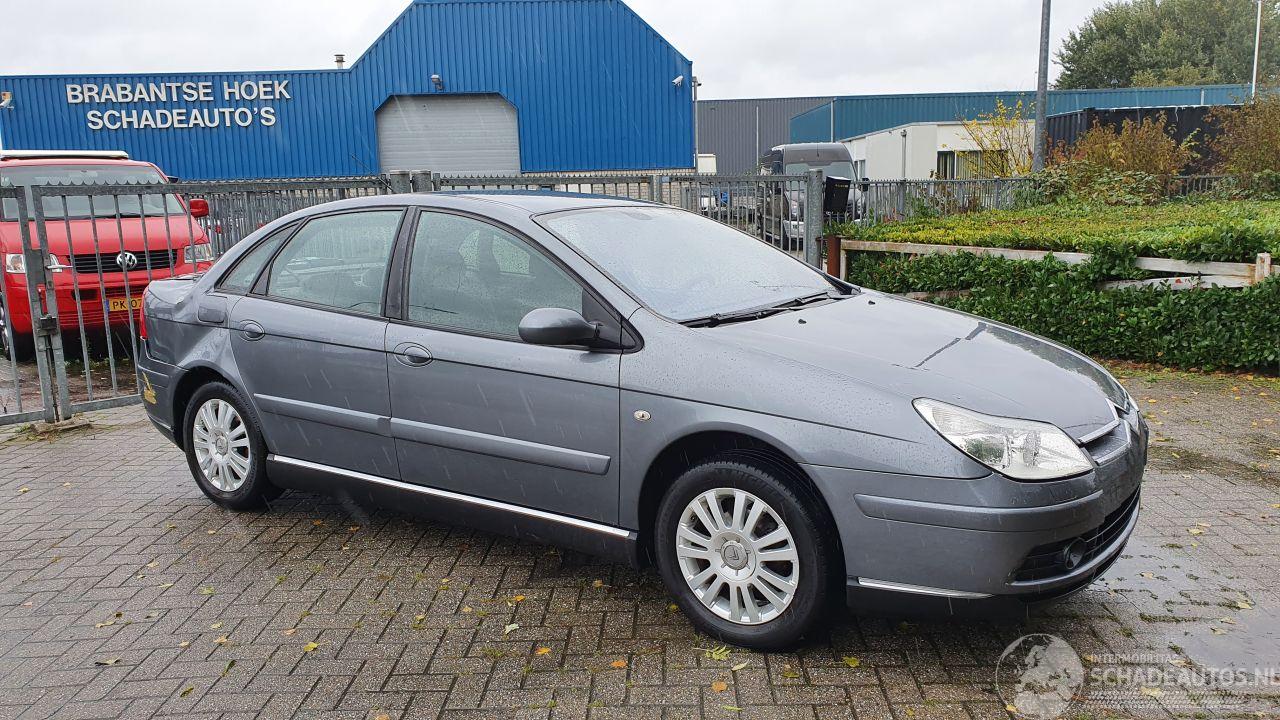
(740, 543)
(225, 449)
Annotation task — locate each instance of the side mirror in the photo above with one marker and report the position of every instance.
(558, 326)
(198, 207)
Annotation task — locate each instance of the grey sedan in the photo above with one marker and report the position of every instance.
(646, 384)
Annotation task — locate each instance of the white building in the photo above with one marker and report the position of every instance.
(918, 151)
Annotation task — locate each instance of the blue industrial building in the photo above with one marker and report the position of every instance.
(460, 86)
(853, 115)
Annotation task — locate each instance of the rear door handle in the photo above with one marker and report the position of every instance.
(412, 354)
(252, 330)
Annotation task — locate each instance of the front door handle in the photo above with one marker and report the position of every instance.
(412, 354)
(252, 330)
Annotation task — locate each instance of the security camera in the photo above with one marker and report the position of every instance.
(678, 81)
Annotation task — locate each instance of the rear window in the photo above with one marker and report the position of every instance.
(103, 206)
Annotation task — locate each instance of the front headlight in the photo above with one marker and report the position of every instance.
(14, 263)
(1020, 449)
(199, 252)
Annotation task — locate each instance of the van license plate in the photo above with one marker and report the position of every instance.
(120, 304)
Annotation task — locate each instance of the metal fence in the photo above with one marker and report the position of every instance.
(892, 200)
(72, 295)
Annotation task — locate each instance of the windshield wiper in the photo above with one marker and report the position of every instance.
(755, 313)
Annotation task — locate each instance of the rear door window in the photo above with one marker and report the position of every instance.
(337, 261)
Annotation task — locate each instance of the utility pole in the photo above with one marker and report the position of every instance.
(1257, 43)
(1042, 90)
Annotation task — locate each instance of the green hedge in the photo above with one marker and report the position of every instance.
(1234, 231)
(1207, 328)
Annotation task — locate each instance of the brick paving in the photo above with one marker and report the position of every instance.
(124, 593)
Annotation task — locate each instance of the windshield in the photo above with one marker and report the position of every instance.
(835, 169)
(684, 266)
(104, 206)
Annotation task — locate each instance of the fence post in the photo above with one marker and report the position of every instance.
(902, 199)
(400, 181)
(814, 219)
(655, 188)
(422, 181)
(1262, 268)
(46, 328)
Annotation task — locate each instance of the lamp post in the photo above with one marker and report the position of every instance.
(1042, 90)
(1257, 43)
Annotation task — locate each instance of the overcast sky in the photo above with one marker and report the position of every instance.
(739, 48)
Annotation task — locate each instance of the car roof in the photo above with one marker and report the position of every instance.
(25, 162)
(539, 201)
(533, 202)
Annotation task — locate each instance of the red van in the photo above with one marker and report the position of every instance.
(99, 249)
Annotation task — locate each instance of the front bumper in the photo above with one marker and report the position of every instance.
(981, 546)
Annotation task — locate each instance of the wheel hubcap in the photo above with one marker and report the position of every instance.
(221, 442)
(737, 556)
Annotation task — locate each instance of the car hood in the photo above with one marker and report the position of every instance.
(914, 349)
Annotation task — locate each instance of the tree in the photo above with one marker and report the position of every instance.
(1005, 138)
(1128, 43)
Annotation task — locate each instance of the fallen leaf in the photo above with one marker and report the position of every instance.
(731, 708)
(354, 528)
(206, 590)
(518, 599)
(24, 489)
(108, 661)
(851, 661)
(222, 640)
(211, 532)
(153, 564)
(1227, 620)
(673, 607)
(165, 585)
(1151, 691)
(542, 651)
(216, 626)
(719, 686)
(1011, 707)
(382, 716)
(1147, 575)
(187, 691)
(597, 583)
(1218, 631)
(317, 523)
(310, 647)
(789, 672)
(466, 608)
(184, 643)
(717, 653)
(1204, 524)
(739, 666)
(618, 664)
(1244, 604)
(1195, 531)
(227, 669)
(289, 631)
(104, 624)
(507, 629)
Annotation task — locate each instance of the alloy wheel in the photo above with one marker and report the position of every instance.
(737, 555)
(221, 442)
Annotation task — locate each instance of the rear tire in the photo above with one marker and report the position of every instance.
(225, 449)
(761, 577)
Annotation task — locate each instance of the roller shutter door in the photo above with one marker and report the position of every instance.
(454, 134)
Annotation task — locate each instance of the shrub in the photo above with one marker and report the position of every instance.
(1141, 147)
(1248, 140)
(1183, 230)
(1206, 328)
